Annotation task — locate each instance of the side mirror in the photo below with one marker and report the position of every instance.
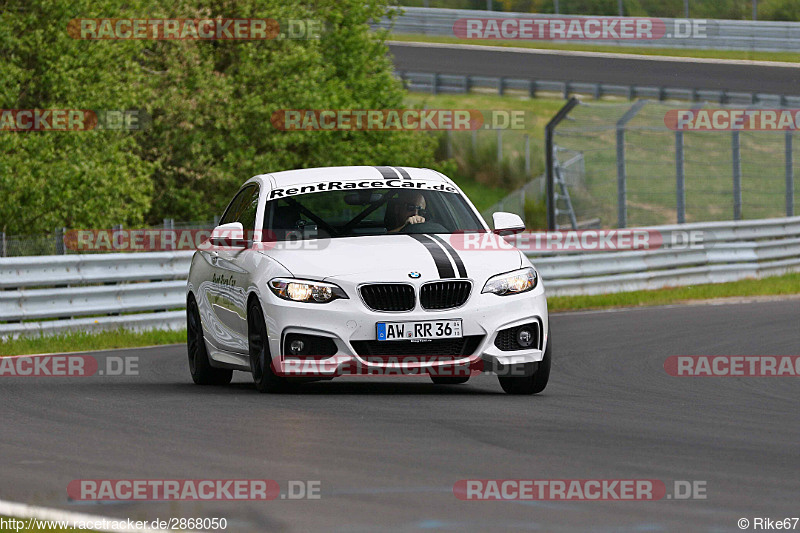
(230, 235)
(507, 223)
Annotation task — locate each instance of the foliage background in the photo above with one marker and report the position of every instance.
(210, 101)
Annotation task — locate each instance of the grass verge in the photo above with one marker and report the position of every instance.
(83, 341)
(773, 286)
(747, 55)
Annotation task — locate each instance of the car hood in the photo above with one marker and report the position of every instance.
(396, 258)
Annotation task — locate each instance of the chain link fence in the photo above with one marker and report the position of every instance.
(639, 172)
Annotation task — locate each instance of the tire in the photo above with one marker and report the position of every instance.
(199, 366)
(447, 380)
(260, 356)
(536, 382)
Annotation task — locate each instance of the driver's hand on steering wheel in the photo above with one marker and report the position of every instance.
(415, 219)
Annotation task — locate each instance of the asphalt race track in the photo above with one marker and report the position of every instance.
(615, 71)
(388, 453)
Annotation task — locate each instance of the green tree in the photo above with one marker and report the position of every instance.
(210, 102)
(212, 127)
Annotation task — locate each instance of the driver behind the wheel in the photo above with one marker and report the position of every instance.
(407, 208)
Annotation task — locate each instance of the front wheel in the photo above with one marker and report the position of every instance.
(536, 382)
(260, 355)
(199, 365)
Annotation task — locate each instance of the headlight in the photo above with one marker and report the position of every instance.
(298, 290)
(512, 282)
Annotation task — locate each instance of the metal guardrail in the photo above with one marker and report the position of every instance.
(435, 83)
(730, 251)
(767, 36)
(51, 294)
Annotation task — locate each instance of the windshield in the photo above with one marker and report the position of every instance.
(375, 211)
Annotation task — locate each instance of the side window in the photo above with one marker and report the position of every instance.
(238, 205)
(247, 214)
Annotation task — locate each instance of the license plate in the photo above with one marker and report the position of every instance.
(405, 331)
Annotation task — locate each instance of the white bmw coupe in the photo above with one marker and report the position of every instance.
(325, 272)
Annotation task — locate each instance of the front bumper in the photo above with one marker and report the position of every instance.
(347, 321)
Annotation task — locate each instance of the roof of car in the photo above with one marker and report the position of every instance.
(313, 175)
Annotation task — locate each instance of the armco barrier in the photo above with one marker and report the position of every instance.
(51, 294)
(436, 83)
(767, 36)
(730, 251)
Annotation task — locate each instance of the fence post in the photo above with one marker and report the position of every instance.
(2, 243)
(622, 193)
(499, 147)
(556, 6)
(549, 156)
(474, 135)
(622, 215)
(737, 176)
(60, 249)
(527, 156)
(216, 220)
(435, 84)
(789, 175)
(680, 190)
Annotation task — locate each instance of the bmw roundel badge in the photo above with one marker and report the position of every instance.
(414, 275)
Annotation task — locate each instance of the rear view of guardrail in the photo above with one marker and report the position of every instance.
(766, 36)
(436, 83)
(51, 294)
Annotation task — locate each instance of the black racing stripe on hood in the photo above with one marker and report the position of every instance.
(462, 271)
(440, 258)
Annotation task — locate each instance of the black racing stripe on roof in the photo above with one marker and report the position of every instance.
(403, 172)
(440, 258)
(462, 271)
(387, 172)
